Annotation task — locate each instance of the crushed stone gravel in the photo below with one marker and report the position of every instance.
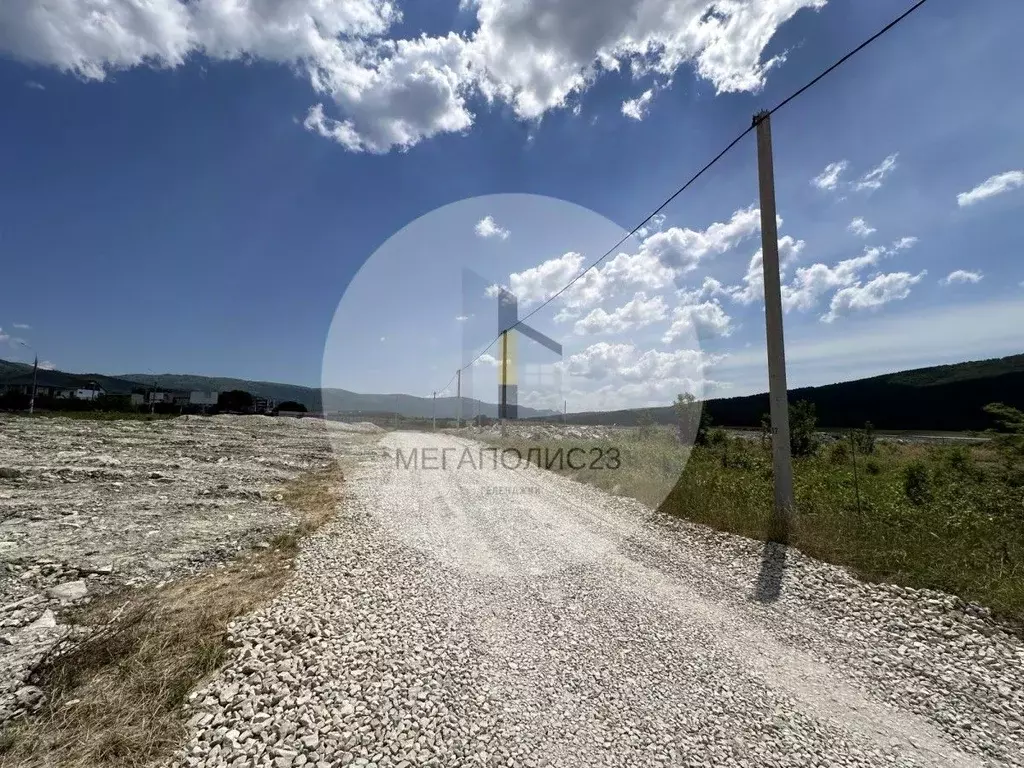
(492, 617)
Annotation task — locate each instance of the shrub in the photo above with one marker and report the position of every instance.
(872, 467)
(917, 483)
(864, 439)
(839, 454)
(802, 423)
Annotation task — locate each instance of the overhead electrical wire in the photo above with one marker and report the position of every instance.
(810, 84)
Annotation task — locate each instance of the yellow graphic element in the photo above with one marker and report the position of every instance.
(507, 368)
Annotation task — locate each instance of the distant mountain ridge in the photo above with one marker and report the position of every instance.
(338, 399)
(943, 397)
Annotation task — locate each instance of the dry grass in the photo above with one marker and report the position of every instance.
(114, 697)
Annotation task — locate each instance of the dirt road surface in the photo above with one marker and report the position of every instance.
(492, 616)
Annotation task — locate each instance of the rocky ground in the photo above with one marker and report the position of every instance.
(87, 506)
(501, 617)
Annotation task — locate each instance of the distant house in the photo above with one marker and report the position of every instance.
(90, 392)
(138, 398)
(203, 398)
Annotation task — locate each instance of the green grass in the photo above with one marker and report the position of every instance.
(964, 535)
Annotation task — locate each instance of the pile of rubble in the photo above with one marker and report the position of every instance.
(89, 506)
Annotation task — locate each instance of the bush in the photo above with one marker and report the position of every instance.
(839, 454)
(917, 483)
(872, 467)
(716, 436)
(803, 441)
(864, 439)
(290, 406)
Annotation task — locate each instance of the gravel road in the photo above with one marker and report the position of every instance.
(513, 617)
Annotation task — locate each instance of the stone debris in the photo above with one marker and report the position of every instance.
(90, 506)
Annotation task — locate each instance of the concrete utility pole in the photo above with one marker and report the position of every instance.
(458, 396)
(32, 400)
(781, 460)
(433, 413)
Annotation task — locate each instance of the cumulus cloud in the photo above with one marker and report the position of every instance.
(860, 227)
(637, 313)
(961, 276)
(487, 228)
(874, 178)
(636, 109)
(752, 287)
(22, 326)
(829, 178)
(46, 365)
(877, 292)
(627, 364)
(992, 186)
(389, 93)
(654, 225)
(704, 320)
(541, 282)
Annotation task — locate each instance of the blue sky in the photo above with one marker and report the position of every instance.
(173, 199)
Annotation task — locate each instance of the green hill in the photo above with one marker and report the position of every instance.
(944, 397)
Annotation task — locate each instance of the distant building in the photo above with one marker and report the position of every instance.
(203, 398)
(263, 405)
(88, 393)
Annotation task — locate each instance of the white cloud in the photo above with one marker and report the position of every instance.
(654, 225)
(46, 365)
(637, 108)
(877, 292)
(639, 312)
(461, 318)
(35, 85)
(992, 186)
(531, 54)
(4, 336)
(706, 319)
(627, 364)
(752, 288)
(22, 326)
(813, 282)
(961, 276)
(486, 359)
(487, 228)
(874, 178)
(683, 249)
(904, 243)
(829, 178)
(860, 227)
(539, 283)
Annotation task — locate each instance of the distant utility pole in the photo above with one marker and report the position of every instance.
(396, 411)
(32, 400)
(565, 411)
(458, 396)
(781, 460)
(433, 413)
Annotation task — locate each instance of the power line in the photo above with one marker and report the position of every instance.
(810, 84)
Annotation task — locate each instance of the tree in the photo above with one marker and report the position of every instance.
(291, 406)
(693, 419)
(645, 425)
(235, 401)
